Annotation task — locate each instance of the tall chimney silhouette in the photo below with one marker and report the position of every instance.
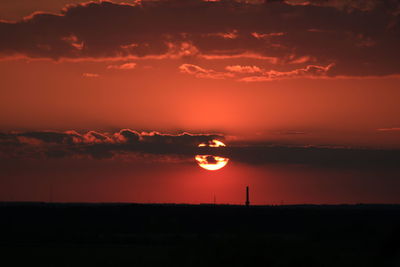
(247, 196)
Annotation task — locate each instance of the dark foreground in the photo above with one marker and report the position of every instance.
(39, 234)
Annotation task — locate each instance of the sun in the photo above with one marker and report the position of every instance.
(212, 143)
(210, 162)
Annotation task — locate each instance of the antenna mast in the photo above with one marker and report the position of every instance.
(247, 197)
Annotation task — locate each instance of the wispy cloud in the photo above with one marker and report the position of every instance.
(254, 73)
(90, 75)
(200, 72)
(243, 69)
(310, 71)
(393, 129)
(125, 66)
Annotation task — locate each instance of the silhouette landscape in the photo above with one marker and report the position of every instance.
(55, 234)
(200, 133)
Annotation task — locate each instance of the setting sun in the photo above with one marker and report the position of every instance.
(210, 162)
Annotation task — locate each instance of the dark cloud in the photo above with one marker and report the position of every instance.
(185, 146)
(349, 5)
(360, 38)
(128, 136)
(51, 137)
(99, 145)
(211, 160)
(317, 156)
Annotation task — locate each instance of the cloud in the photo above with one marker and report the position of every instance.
(389, 130)
(99, 145)
(243, 69)
(90, 75)
(241, 73)
(68, 137)
(266, 35)
(349, 5)
(360, 36)
(200, 72)
(289, 132)
(125, 66)
(328, 157)
(129, 144)
(310, 71)
(127, 136)
(93, 137)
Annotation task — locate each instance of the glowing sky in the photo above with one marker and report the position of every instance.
(305, 89)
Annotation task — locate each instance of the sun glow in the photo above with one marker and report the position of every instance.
(210, 162)
(212, 143)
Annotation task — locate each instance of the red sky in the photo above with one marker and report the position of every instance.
(257, 73)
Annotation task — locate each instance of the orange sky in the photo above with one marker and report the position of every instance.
(259, 74)
(46, 95)
(112, 181)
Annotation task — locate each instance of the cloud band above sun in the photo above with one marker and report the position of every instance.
(354, 38)
(183, 147)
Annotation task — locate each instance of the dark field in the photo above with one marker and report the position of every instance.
(42, 234)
